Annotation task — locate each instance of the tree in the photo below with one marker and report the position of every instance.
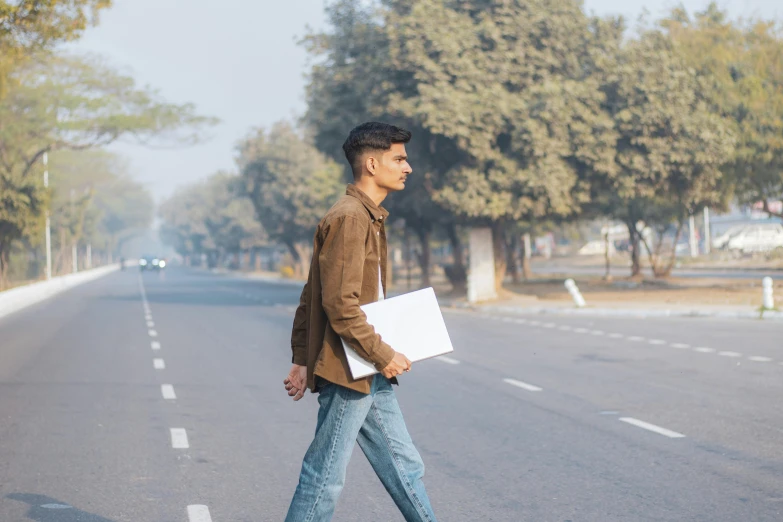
(290, 184)
(63, 103)
(741, 64)
(28, 27)
(513, 85)
(355, 80)
(669, 149)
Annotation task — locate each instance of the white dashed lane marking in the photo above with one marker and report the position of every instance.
(758, 358)
(703, 349)
(179, 438)
(580, 330)
(656, 341)
(198, 513)
(680, 346)
(168, 392)
(523, 385)
(447, 360)
(616, 336)
(635, 338)
(596, 332)
(150, 324)
(652, 427)
(153, 333)
(158, 364)
(155, 345)
(730, 354)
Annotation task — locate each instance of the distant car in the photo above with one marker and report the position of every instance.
(151, 263)
(722, 240)
(757, 238)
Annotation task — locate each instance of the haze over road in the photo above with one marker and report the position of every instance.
(160, 399)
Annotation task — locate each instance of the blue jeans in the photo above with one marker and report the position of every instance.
(376, 422)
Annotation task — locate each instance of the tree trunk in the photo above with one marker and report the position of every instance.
(499, 251)
(636, 266)
(457, 274)
(304, 252)
(424, 256)
(527, 271)
(3, 267)
(512, 258)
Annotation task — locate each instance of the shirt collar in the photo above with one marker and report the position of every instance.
(377, 212)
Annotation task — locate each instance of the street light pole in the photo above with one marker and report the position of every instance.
(48, 221)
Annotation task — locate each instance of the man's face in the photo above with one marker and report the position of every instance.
(393, 168)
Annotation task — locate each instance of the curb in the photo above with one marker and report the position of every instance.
(21, 297)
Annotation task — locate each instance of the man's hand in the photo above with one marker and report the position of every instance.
(397, 366)
(296, 382)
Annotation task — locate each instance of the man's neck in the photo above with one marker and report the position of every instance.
(373, 191)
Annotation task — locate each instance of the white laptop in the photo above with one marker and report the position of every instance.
(411, 324)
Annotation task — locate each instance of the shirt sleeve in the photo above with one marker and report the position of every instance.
(341, 263)
(299, 331)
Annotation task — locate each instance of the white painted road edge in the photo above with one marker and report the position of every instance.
(179, 438)
(198, 513)
(168, 392)
(523, 385)
(652, 427)
(21, 297)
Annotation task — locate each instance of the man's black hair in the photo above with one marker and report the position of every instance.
(371, 136)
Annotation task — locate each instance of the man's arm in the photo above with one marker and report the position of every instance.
(341, 263)
(299, 331)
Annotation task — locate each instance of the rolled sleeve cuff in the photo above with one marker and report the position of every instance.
(299, 356)
(383, 356)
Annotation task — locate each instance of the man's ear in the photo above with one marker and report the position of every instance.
(371, 164)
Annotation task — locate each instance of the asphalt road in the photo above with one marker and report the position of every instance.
(532, 418)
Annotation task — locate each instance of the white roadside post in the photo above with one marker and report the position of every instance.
(769, 299)
(707, 231)
(579, 301)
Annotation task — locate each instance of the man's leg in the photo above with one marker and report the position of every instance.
(385, 441)
(341, 415)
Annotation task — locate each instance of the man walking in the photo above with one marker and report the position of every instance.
(349, 270)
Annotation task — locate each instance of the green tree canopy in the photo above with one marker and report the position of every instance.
(741, 64)
(290, 183)
(63, 103)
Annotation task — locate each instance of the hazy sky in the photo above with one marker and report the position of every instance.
(239, 60)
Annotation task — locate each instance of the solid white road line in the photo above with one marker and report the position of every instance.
(447, 360)
(158, 364)
(652, 427)
(681, 346)
(656, 341)
(758, 358)
(730, 354)
(168, 392)
(198, 513)
(153, 333)
(635, 338)
(155, 345)
(523, 385)
(179, 438)
(704, 349)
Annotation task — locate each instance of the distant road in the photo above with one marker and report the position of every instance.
(123, 402)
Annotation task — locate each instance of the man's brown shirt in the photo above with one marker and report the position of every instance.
(349, 246)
